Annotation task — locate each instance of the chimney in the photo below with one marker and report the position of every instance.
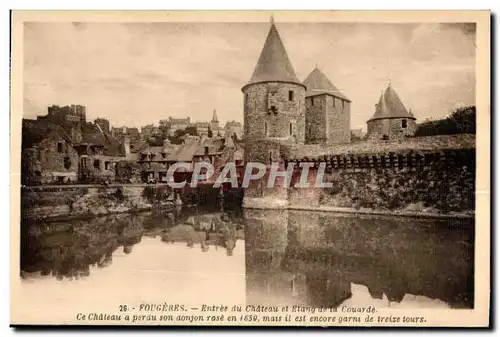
(126, 146)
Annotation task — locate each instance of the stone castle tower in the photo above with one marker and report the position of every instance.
(328, 111)
(391, 119)
(274, 103)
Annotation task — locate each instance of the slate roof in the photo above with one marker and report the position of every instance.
(390, 106)
(273, 64)
(91, 135)
(215, 146)
(317, 84)
(34, 131)
(184, 152)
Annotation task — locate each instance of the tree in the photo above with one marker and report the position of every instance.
(462, 120)
(191, 130)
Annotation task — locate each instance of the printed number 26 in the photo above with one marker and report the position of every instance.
(122, 308)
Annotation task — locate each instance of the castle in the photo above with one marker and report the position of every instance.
(283, 114)
(278, 107)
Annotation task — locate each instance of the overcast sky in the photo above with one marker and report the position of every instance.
(136, 74)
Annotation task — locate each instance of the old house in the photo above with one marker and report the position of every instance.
(154, 162)
(98, 153)
(47, 154)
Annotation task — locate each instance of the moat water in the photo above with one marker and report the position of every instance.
(205, 255)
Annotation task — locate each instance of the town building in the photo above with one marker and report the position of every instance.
(48, 155)
(235, 128)
(391, 120)
(202, 128)
(175, 124)
(149, 131)
(103, 124)
(71, 113)
(62, 147)
(98, 153)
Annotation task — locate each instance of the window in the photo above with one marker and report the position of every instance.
(291, 129)
(334, 99)
(67, 163)
(106, 165)
(312, 101)
(404, 124)
(59, 147)
(97, 164)
(270, 157)
(343, 105)
(290, 95)
(265, 129)
(246, 99)
(206, 150)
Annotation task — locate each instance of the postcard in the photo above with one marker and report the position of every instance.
(250, 168)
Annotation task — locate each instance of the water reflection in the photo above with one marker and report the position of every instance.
(69, 249)
(290, 257)
(327, 260)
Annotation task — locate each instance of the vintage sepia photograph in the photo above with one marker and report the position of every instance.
(251, 168)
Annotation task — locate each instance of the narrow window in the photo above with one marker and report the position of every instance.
(246, 99)
(312, 101)
(270, 157)
(334, 101)
(290, 95)
(265, 128)
(59, 147)
(343, 105)
(67, 163)
(404, 124)
(97, 164)
(291, 129)
(106, 165)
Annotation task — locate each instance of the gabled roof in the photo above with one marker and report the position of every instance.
(317, 84)
(34, 131)
(184, 152)
(214, 146)
(91, 135)
(390, 106)
(273, 64)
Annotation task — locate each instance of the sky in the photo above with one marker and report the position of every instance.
(136, 74)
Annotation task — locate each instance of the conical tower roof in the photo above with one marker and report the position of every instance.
(390, 106)
(214, 116)
(317, 83)
(273, 64)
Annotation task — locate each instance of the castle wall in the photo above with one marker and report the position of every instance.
(261, 123)
(392, 127)
(433, 182)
